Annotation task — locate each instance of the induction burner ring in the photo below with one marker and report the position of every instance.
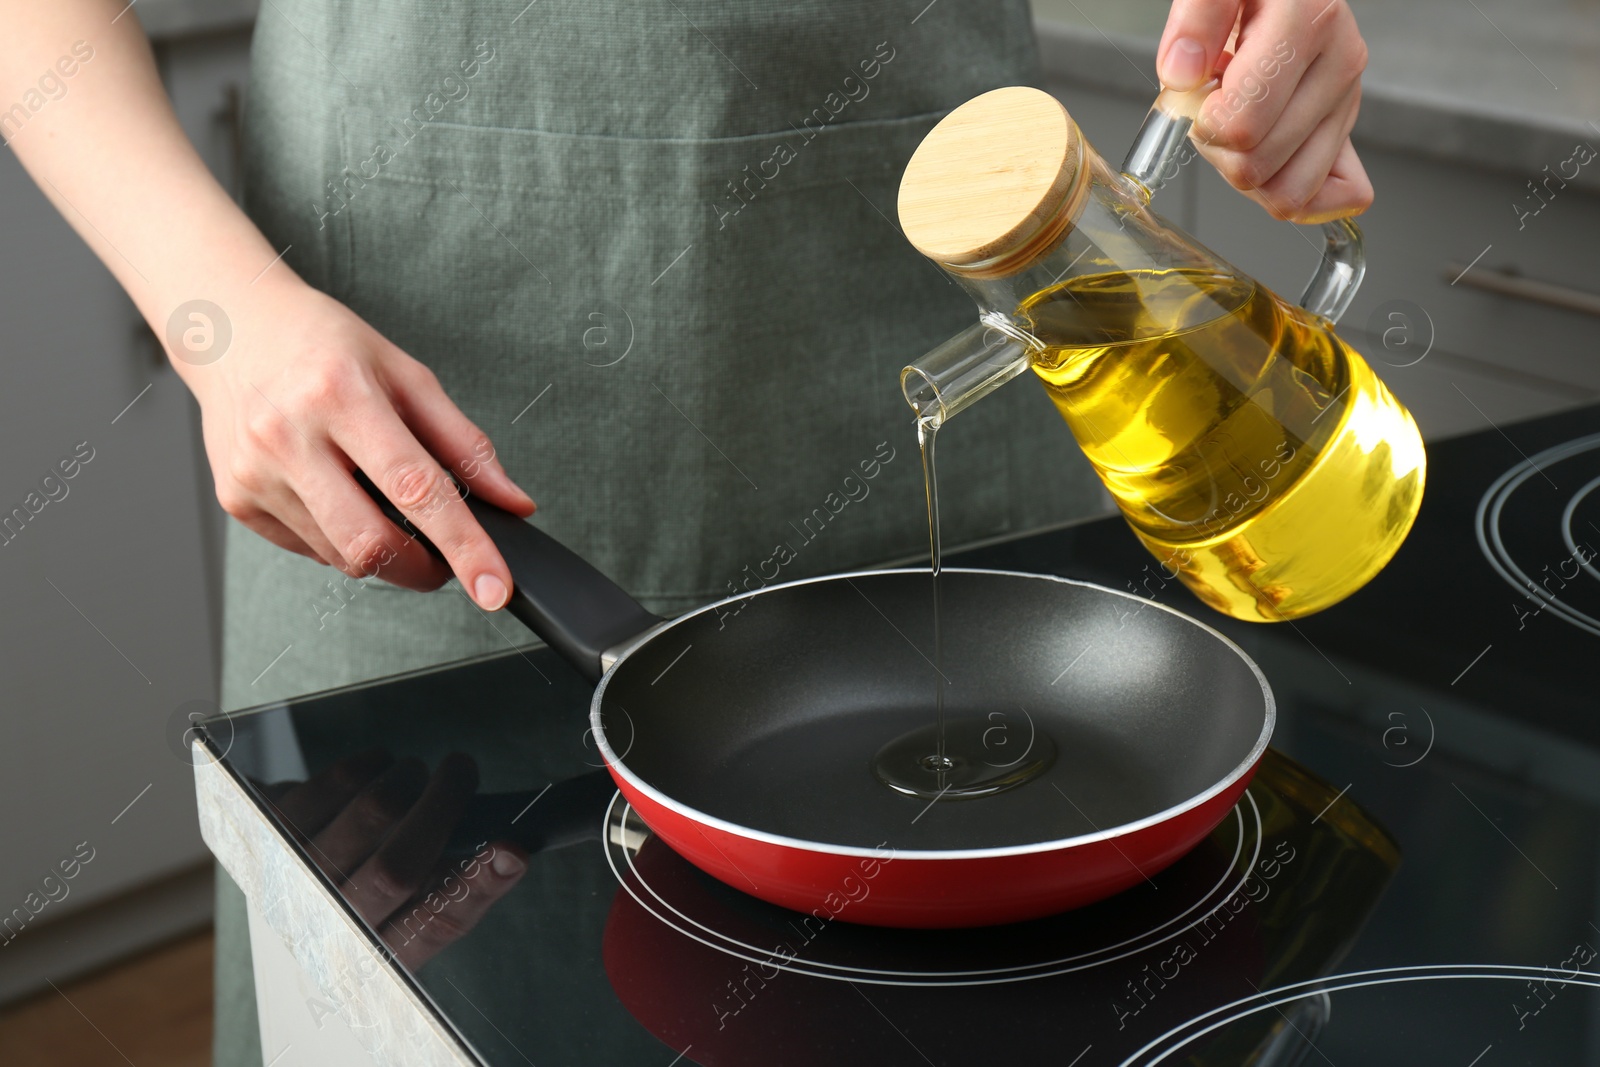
(1490, 541)
(1176, 1039)
(617, 816)
(1566, 526)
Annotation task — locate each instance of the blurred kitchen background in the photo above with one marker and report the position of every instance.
(111, 637)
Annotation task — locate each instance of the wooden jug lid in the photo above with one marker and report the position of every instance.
(990, 176)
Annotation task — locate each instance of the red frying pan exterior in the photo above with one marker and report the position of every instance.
(588, 619)
(925, 888)
(983, 887)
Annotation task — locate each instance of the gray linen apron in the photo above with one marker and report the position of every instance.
(649, 248)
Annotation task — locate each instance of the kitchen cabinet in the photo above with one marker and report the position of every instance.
(1460, 356)
(110, 578)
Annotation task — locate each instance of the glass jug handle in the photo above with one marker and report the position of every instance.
(1153, 160)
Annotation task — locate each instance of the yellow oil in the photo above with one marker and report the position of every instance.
(1252, 451)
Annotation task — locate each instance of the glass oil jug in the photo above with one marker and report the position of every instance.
(1251, 450)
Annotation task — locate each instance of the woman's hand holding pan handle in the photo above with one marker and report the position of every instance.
(296, 391)
(311, 394)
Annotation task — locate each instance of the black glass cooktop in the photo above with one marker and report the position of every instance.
(1411, 878)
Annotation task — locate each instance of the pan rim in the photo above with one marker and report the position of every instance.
(618, 765)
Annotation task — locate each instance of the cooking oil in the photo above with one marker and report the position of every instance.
(951, 758)
(1250, 449)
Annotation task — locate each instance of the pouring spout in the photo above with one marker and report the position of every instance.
(969, 366)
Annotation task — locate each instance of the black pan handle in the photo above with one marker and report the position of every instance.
(574, 608)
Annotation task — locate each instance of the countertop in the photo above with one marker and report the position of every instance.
(1443, 706)
(1510, 85)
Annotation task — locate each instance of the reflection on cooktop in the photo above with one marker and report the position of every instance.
(1191, 897)
(1276, 894)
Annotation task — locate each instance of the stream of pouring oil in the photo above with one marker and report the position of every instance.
(927, 431)
(951, 758)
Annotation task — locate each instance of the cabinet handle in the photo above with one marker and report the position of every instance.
(1510, 283)
(229, 115)
(147, 343)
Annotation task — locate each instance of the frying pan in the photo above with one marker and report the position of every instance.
(743, 732)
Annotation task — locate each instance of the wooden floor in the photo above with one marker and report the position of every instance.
(152, 1011)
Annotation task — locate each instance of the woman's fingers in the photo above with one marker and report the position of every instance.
(1288, 75)
(325, 396)
(459, 444)
(1285, 187)
(1287, 193)
(296, 465)
(1287, 98)
(247, 492)
(270, 528)
(286, 465)
(331, 500)
(1196, 33)
(292, 513)
(381, 444)
(1270, 56)
(1346, 191)
(1321, 93)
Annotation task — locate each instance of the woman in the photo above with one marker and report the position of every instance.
(638, 260)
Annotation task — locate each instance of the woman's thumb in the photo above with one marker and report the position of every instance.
(1197, 31)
